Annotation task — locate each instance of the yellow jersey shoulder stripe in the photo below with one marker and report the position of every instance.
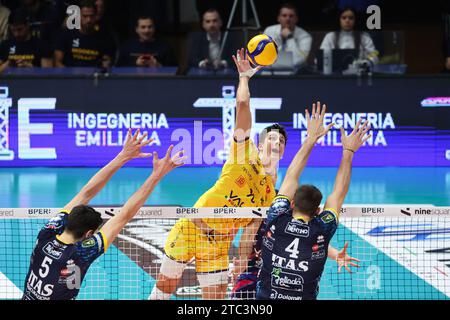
(64, 211)
(105, 241)
(281, 197)
(333, 211)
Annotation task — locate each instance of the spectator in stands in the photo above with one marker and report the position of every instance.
(205, 46)
(289, 36)
(349, 37)
(4, 16)
(21, 50)
(86, 47)
(145, 50)
(43, 19)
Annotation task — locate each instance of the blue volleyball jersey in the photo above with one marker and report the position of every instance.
(57, 269)
(294, 253)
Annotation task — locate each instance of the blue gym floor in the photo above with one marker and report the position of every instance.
(53, 187)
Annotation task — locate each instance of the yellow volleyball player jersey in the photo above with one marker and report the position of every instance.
(242, 183)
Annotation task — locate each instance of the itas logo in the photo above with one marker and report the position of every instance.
(76, 43)
(297, 229)
(12, 50)
(240, 181)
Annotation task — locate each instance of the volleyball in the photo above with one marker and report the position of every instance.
(262, 50)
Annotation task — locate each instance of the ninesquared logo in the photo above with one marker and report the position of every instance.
(406, 212)
(425, 211)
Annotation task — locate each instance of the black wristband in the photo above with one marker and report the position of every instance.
(350, 150)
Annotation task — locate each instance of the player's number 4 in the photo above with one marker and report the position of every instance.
(293, 248)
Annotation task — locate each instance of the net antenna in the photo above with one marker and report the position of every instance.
(244, 26)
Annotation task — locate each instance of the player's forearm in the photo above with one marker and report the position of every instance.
(243, 93)
(343, 176)
(332, 252)
(4, 65)
(243, 114)
(99, 180)
(300, 160)
(137, 200)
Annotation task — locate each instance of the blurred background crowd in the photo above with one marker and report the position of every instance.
(192, 34)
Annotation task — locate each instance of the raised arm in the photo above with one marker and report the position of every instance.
(350, 145)
(315, 130)
(243, 114)
(161, 167)
(130, 150)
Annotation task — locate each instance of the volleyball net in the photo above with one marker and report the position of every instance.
(404, 252)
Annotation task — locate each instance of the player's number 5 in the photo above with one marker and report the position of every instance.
(45, 267)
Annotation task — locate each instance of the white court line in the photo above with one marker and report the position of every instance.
(8, 290)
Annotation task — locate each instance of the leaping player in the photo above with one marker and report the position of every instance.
(69, 243)
(245, 283)
(297, 233)
(247, 180)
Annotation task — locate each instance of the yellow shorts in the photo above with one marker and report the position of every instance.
(186, 241)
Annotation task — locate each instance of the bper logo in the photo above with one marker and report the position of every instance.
(297, 229)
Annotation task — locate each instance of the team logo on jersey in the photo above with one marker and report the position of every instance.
(328, 218)
(316, 247)
(320, 239)
(271, 232)
(286, 280)
(263, 181)
(267, 243)
(88, 243)
(240, 181)
(75, 43)
(12, 50)
(273, 294)
(67, 271)
(50, 250)
(296, 229)
(318, 255)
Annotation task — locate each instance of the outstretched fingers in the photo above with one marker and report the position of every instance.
(136, 134)
(141, 138)
(356, 128)
(169, 151)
